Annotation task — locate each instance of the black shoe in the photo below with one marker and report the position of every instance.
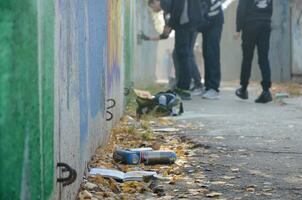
(265, 97)
(242, 94)
(183, 94)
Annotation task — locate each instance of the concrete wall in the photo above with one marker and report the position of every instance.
(145, 54)
(60, 62)
(297, 37)
(26, 99)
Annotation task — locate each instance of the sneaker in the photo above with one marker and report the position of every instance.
(265, 97)
(183, 94)
(211, 94)
(198, 91)
(242, 94)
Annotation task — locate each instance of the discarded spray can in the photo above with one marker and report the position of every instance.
(129, 157)
(158, 157)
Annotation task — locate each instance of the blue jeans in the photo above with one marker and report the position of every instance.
(211, 53)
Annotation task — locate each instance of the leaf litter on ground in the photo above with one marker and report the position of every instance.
(159, 134)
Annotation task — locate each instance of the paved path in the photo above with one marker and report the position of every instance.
(263, 141)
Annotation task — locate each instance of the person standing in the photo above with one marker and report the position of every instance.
(254, 22)
(211, 49)
(175, 16)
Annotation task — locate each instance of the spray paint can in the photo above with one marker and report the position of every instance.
(158, 157)
(129, 156)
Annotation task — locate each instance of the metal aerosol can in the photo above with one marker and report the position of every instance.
(158, 157)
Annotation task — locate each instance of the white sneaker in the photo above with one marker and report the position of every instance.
(211, 95)
(198, 92)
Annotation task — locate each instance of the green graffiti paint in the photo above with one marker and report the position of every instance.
(46, 35)
(128, 43)
(26, 100)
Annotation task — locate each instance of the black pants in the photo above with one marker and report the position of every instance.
(254, 35)
(184, 59)
(211, 53)
(195, 74)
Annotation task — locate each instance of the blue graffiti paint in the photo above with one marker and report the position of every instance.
(114, 75)
(83, 100)
(97, 49)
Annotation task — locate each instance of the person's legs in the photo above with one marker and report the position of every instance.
(249, 40)
(206, 63)
(263, 45)
(182, 48)
(211, 53)
(195, 74)
(176, 65)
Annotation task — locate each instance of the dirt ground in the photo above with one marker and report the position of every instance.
(227, 149)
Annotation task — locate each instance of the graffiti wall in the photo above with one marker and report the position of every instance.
(297, 37)
(63, 64)
(26, 99)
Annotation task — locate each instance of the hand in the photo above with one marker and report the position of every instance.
(237, 35)
(144, 37)
(167, 30)
(163, 36)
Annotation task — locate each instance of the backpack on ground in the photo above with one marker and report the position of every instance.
(161, 104)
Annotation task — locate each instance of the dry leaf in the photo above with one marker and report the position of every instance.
(218, 183)
(132, 187)
(165, 122)
(228, 177)
(197, 192)
(85, 195)
(219, 138)
(214, 194)
(235, 170)
(99, 180)
(250, 189)
(90, 186)
(114, 186)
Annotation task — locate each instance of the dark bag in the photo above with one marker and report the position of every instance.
(163, 104)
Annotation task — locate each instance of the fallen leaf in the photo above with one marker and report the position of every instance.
(267, 194)
(219, 138)
(90, 186)
(250, 189)
(133, 187)
(99, 180)
(114, 186)
(197, 192)
(175, 179)
(85, 195)
(235, 170)
(228, 177)
(165, 122)
(218, 183)
(214, 194)
(156, 146)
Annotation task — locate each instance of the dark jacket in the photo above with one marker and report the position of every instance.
(253, 11)
(166, 5)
